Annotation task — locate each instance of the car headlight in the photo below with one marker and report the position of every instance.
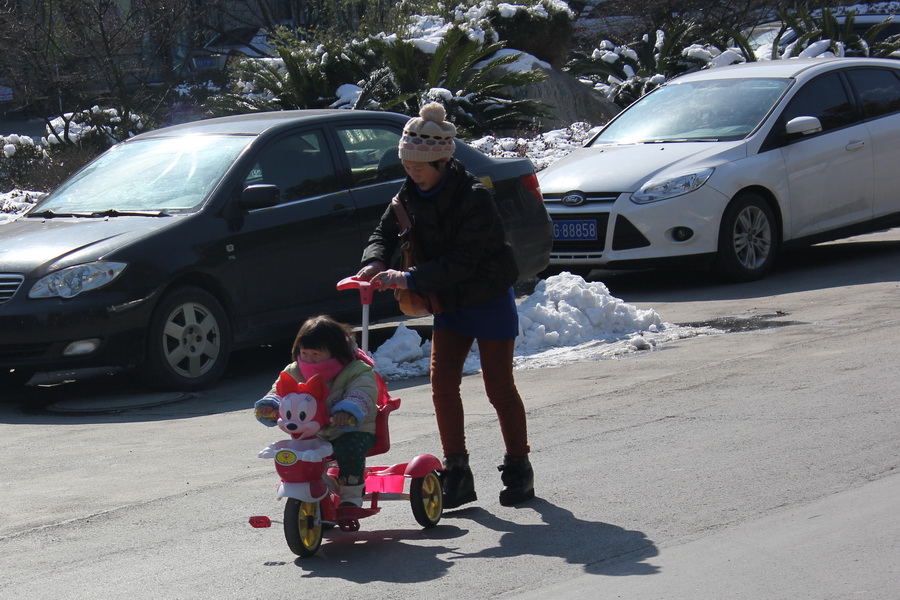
(663, 189)
(71, 281)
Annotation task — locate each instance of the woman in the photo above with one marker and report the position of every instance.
(467, 262)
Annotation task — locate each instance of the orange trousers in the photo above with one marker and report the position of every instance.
(449, 350)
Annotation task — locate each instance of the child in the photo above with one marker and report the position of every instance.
(325, 347)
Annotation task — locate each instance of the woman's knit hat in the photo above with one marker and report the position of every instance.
(428, 137)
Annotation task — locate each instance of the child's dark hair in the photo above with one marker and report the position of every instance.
(324, 333)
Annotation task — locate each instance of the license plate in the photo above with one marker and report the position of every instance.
(575, 229)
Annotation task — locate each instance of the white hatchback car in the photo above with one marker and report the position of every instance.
(731, 165)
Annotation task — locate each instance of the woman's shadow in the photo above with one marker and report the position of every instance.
(602, 549)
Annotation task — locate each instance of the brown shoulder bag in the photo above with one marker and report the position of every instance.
(412, 302)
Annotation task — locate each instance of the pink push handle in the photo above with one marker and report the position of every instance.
(366, 289)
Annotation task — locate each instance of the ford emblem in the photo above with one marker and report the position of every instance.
(573, 199)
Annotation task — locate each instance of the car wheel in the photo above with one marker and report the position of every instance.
(748, 238)
(188, 341)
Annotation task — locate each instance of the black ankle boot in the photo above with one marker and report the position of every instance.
(518, 480)
(457, 481)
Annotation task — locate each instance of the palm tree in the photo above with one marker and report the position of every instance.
(638, 67)
(467, 76)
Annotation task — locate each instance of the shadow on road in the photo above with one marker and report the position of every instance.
(368, 556)
(604, 544)
(861, 260)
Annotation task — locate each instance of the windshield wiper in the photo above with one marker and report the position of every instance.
(49, 214)
(112, 212)
(680, 140)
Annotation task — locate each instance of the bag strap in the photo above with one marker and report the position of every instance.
(402, 215)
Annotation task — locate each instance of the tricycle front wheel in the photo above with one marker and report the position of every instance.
(302, 526)
(427, 499)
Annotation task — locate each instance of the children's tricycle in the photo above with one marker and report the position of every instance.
(309, 476)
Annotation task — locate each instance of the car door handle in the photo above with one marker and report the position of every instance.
(854, 145)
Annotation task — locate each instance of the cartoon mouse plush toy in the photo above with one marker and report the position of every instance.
(300, 461)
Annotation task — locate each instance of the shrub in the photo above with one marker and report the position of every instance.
(71, 141)
(471, 78)
(812, 28)
(20, 157)
(542, 29)
(625, 73)
(305, 75)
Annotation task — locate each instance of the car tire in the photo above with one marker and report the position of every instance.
(188, 341)
(748, 239)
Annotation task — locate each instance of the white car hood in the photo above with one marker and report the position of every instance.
(626, 167)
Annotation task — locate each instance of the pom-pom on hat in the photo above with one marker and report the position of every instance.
(428, 137)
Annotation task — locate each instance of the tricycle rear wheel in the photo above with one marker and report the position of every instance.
(427, 499)
(302, 526)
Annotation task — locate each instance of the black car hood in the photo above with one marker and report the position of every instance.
(27, 244)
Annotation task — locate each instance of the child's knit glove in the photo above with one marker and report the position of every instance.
(266, 410)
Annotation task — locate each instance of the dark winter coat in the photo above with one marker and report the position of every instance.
(465, 258)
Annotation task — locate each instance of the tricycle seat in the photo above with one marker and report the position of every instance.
(386, 405)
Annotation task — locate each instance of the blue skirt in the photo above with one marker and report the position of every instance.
(496, 319)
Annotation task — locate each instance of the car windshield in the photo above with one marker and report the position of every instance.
(711, 110)
(165, 174)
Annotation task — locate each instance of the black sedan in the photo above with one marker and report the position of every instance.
(180, 245)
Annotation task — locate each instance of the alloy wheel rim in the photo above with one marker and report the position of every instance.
(752, 237)
(191, 340)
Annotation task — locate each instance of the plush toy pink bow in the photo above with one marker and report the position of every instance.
(303, 410)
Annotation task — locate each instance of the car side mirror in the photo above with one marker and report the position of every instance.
(803, 126)
(260, 196)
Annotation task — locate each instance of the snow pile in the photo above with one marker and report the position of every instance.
(16, 202)
(11, 144)
(426, 32)
(565, 320)
(542, 149)
(564, 310)
(104, 122)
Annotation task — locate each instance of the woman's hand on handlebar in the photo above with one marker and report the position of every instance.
(370, 270)
(390, 280)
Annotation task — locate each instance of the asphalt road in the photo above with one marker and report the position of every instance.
(758, 463)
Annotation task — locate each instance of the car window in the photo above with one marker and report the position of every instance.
(878, 91)
(708, 110)
(298, 164)
(172, 174)
(371, 153)
(824, 98)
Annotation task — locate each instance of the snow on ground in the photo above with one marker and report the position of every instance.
(565, 320)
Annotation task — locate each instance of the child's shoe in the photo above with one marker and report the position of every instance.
(457, 481)
(351, 495)
(518, 480)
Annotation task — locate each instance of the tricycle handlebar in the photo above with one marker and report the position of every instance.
(366, 288)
